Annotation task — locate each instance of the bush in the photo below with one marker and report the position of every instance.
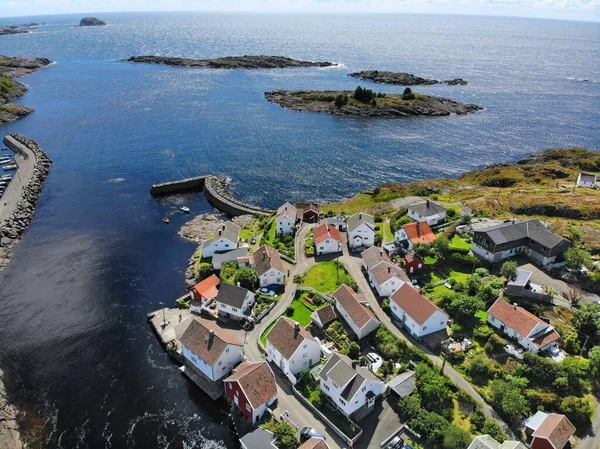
(578, 410)
(480, 369)
(204, 271)
(289, 311)
(298, 279)
(482, 272)
(456, 438)
(353, 350)
(493, 429)
(483, 333)
(478, 419)
(495, 344)
(509, 269)
(286, 436)
(246, 277)
(408, 94)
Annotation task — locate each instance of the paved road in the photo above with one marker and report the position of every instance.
(592, 440)
(354, 266)
(21, 177)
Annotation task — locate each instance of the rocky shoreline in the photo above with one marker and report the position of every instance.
(10, 437)
(12, 229)
(19, 28)
(231, 62)
(391, 106)
(11, 68)
(402, 78)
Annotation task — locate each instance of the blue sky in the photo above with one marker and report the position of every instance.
(588, 10)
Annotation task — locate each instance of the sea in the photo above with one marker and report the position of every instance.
(79, 357)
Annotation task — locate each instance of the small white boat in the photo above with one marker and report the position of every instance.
(5, 178)
(185, 209)
(4, 149)
(10, 167)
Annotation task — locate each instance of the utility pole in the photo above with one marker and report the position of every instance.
(583, 346)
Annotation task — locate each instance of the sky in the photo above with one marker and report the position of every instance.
(586, 10)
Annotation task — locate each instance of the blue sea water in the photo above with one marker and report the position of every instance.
(79, 356)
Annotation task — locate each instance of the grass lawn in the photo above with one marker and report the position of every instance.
(301, 312)
(459, 243)
(263, 337)
(325, 277)
(430, 260)
(271, 233)
(387, 232)
(250, 229)
(482, 315)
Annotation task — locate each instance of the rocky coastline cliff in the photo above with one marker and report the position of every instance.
(402, 78)
(10, 437)
(231, 62)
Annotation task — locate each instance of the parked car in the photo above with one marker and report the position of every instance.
(396, 443)
(266, 291)
(253, 240)
(308, 432)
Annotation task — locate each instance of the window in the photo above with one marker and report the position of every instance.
(233, 309)
(304, 355)
(305, 345)
(248, 407)
(424, 328)
(226, 350)
(342, 401)
(220, 363)
(363, 389)
(442, 323)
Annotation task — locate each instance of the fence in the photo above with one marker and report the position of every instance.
(264, 313)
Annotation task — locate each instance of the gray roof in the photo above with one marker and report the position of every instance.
(352, 387)
(230, 255)
(228, 230)
(519, 229)
(427, 208)
(359, 218)
(484, 442)
(521, 279)
(403, 384)
(231, 295)
(258, 439)
(339, 369)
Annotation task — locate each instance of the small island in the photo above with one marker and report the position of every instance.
(19, 28)
(231, 62)
(91, 22)
(366, 103)
(402, 78)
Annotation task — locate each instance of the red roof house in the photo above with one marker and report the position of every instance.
(549, 430)
(206, 289)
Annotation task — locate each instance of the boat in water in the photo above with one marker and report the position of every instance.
(10, 167)
(166, 220)
(185, 209)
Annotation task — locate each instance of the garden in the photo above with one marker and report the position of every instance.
(327, 276)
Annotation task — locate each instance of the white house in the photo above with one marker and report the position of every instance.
(230, 256)
(327, 239)
(210, 349)
(292, 348)
(226, 238)
(418, 315)
(384, 276)
(286, 219)
(586, 180)
(234, 302)
(252, 388)
(487, 442)
(323, 316)
(531, 332)
(361, 230)
(352, 388)
(351, 307)
(427, 211)
(268, 266)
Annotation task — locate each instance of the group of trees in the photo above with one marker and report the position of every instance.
(365, 95)
(245, 276)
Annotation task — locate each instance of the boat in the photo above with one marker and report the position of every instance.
(4, 149)
(10, 167)
(5, 178)
(185, 209)
(166, 220)
(3, 183)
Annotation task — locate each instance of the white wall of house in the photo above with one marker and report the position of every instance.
(436, 322)
(234, 312)
(527, 343)
(361, 332)
(285, 225)
(351, 405)
(503, 255)
(401, 235)
(271, 277)
(582, 183)
(388, 287)
(231, 356)
(221, 245)
(431, 219)
(328, 246)
(307, 354)
(362, 235)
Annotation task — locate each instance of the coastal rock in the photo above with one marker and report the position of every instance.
(391, 106)
(12, 112)
(91, 22)
(456, 82)
(19, 28)
(402, 78)
(231, 62)
(200, 227)
(10, 438)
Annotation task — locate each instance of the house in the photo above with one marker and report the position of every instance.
(349, 386)
(514, 237)
(531, 332)
(203, 291)
(419, 316)
(234, 302)
(522, 287)
(428, 212)
(549, 430)
(292, 348)
(259, 438)
(314, 443)
(412, 233)
(412, 262)
(286, 219)
(210, 349)
(268, 266)
(230, 256)
(327, 239)
(252, 388)
(586, 180)
(361, 230)
(324, 316)
(226, 238)
(487, 442)
(338, 222)
(351, 306)
(308, 212)
(384, 276)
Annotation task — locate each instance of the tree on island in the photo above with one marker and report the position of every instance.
(341, 100)
(408, 94)
(363, 95)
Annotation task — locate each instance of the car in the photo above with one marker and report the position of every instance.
(253, 240)
(396, 443)
(308, 432)
(266, 291)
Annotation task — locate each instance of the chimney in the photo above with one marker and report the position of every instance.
(296, 329)
(264, 254)
(418, 228)
(360, 215)
(220, 233)
(515, 306)
(353, 364)
(389, 269)
(211, 336)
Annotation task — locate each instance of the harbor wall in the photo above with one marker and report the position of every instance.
(165, 188)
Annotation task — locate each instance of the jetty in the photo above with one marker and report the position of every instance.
(215, 191)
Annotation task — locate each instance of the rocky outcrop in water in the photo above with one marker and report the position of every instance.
(401, 78)
(10, 438)
(391, 106)
(231, 62)
(12, 229)
(91, 22)
(19, 28)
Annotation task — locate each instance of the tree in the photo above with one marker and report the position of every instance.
(540, 370)
(463, 307)
(246, 277)
(353, 350)
(456, 438)
(204, 271)
(286, 436)
(575, 371)
(509, 269)
(493, 429)
(434, 389)
(340, 101)
(480, 369)
(576, 259)
(408, 94)
(578, 410)
(509, 400)
(594, 356)
(441, 246)
(587, 323)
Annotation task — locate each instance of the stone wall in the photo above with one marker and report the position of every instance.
(215, 190)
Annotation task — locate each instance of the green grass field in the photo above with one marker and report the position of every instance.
(387, 232)
(325, 278)
(459, 243)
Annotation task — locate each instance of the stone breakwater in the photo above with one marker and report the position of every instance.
(13, 227)
(10, 438)
(216, 192)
